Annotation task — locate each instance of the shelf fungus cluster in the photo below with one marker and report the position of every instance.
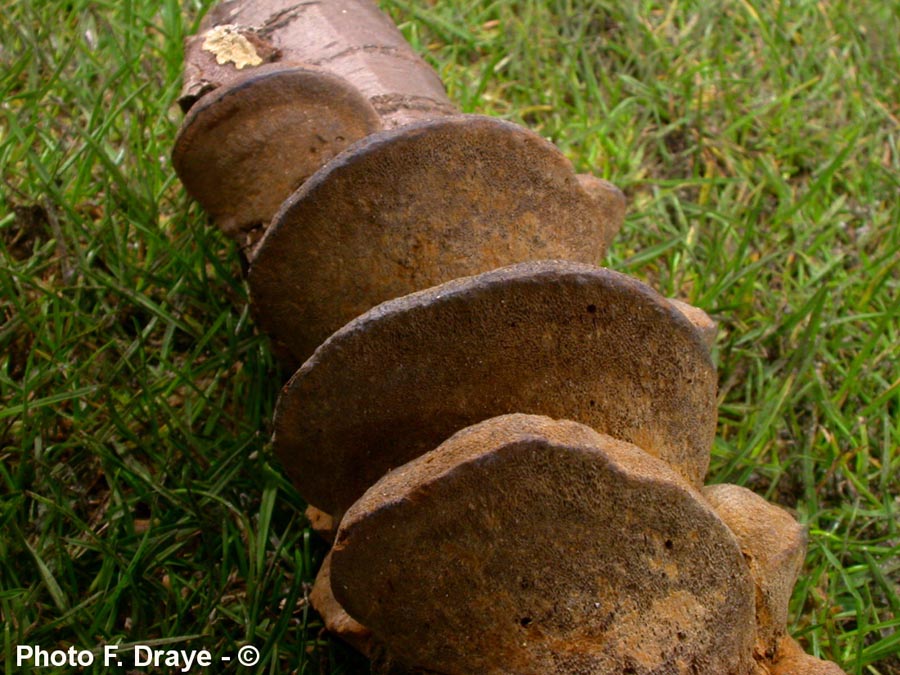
(506, 443)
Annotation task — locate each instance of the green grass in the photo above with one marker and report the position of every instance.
(758, 144)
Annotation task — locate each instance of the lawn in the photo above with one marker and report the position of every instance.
(758, 144)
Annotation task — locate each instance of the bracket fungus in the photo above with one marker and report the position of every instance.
(792, 660)
(545, 548)
(507, 443)
(400, 212)
(244, 148)
(701, 320)
(774, 545)
(482, 193)
(293, 84)
(561, 339)
(334, 616)
(240, 158)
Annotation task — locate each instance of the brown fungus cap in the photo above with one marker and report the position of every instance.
(774, 545)
(792, 660)
(414, 207)
(609, 198)
(335, 618)
(700, 319)
(321, 523)
(245, 147)
(526, 545)
(556, 338)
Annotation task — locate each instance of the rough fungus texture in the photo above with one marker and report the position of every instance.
(560, 339)
(792, 660)
(411, 208)
(774, 545)
(245, 148)
(523, 545)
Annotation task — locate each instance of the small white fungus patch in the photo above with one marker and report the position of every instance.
(228, 45)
